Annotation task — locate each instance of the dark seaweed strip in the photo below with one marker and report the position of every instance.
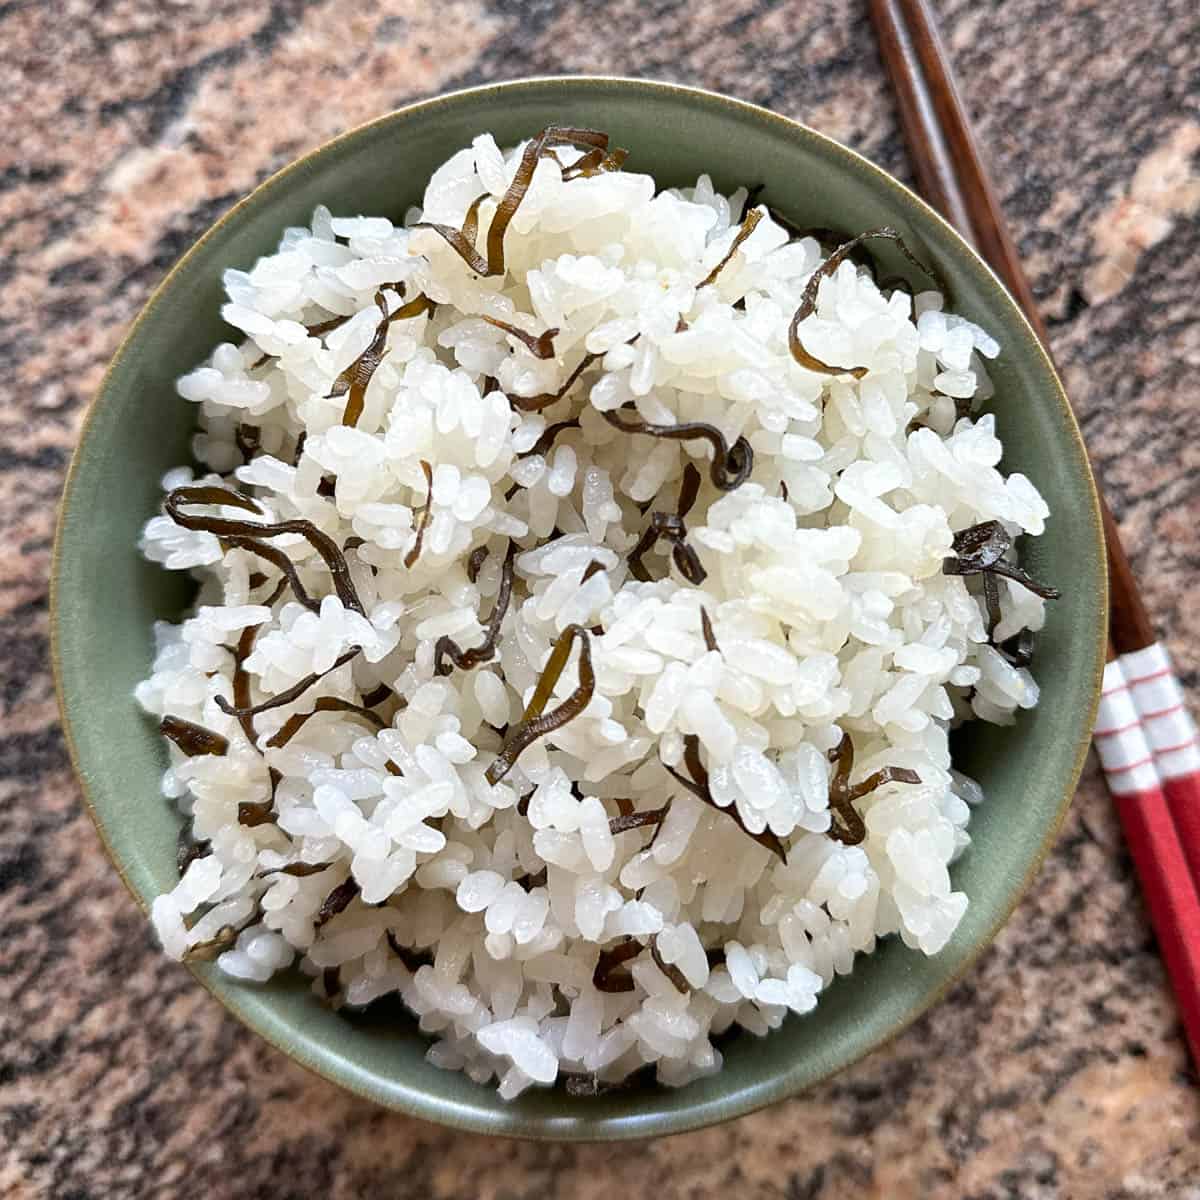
(980, 549)
(299, 450)
(209, 494)
(673, 973)
(377, 696)
(884, 775)
(251, 814)
(783, 488)
(710, 639)
(336, 901)
(638, 820)
(289, 694)
(687, 562)
(459, 244)
(529, 882)
(983, 545)
(321, 542)
(730, 466)
(533, 724)
(354, 380)
(615, 159)
(810, 362)
(462, 241)
(670, 528)
(276, 592)
(414, 308)
(689, 489)
(353, 543)
(546, 441)
(468, 660)
(649, 536)
(1018, 649)
(593, 568)
(327, 487)
(991, 600)
(584, 166)
(321, 328)
(546, 399)
(539, 345)
(624, 805)
(608, 977)
(188, 847)
(475, 561)
(749, 224)
(1008, 570)
(276, 778)
(849, 827)
(414, 552)
(277, 558)
(808, 300)
(241, 682)
(392, 769)
(470, 225)
(297, 721)
(511, 200)
(256, 579)
(506, 208)
(331, 982)
(194, 740)
(412, 958)
(206, 951)
(594, 162)
(698, 786)
(249, 440)
(222, 940)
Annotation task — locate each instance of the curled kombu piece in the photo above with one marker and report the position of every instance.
(534, 722)
(730, 466)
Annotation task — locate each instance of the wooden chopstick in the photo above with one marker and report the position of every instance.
(1141, 696)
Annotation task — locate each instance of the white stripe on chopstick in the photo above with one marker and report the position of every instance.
(1159, 701)
(1120, 741)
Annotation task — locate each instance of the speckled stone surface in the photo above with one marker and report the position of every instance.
(1056, 1068)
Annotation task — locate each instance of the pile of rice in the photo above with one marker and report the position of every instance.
(824, 588)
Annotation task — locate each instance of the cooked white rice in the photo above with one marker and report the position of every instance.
(829, 607)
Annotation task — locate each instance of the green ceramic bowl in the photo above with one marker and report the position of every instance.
(105, 597)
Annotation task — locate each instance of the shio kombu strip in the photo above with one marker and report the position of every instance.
(848, 826)
(466, 660)
(730, 466)
(533, 723)
(698, 786)
(808, 300)
(462, 241)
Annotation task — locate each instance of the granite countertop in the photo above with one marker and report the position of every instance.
(1057, 1067)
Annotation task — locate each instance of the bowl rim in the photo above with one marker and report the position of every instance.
(619, 1126)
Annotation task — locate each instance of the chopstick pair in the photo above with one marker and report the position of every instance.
(1144, 737)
